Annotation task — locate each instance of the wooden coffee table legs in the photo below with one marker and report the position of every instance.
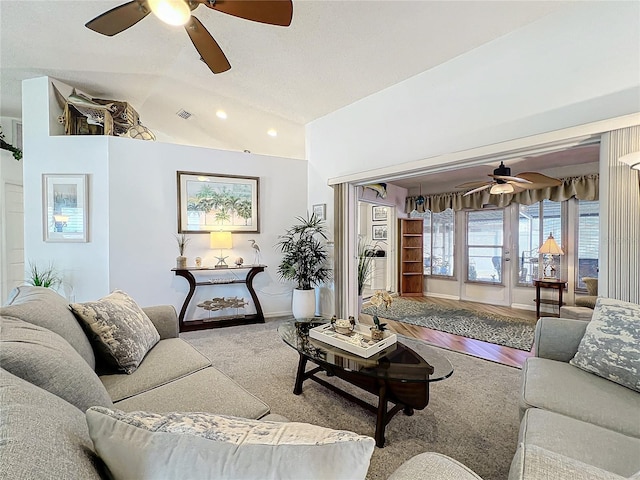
(405, 396)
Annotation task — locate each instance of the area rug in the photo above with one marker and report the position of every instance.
(510, 332)
(472, 416)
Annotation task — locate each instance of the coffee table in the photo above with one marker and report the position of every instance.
(397, 374)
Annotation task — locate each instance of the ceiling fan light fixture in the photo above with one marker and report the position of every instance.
(500, 188)
(172, 12)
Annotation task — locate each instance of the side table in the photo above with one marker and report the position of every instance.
(558, 285)
(252, 271)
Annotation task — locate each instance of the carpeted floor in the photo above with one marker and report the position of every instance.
(472, 416)
(510, 332)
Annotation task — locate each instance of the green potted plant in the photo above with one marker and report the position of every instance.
(304, 262)
(181, 260)
(47, 277)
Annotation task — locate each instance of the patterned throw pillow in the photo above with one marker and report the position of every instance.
(610, 347)
(121, 331)
(201, 445)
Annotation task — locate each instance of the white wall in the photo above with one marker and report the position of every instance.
(579, 65)
(133, 210)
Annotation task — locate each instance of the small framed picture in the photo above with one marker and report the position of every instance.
(320, 211)
(379, 214)
(379, 232)
(65, 209)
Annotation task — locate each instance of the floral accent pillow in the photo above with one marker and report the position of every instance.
(610, 347)
(145, 445)
(120, 329)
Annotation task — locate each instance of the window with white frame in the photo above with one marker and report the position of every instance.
(438, 242)
(588, 239)
(485, 238)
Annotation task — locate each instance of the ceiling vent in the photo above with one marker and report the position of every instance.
(184, 114)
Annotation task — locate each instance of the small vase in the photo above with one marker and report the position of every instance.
(181, 262)
(376, 334)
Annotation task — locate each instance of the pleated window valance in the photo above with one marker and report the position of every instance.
(584, 187)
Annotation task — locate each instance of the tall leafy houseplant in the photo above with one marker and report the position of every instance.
(304, 259)
(364, 263)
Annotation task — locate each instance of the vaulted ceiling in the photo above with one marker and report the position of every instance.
(333, 54)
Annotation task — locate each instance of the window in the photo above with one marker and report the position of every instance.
(588, 241)
(484, 246)
(535, 223)
(438, 242)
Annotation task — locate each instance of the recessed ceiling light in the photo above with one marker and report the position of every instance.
(272, 132)
(221, 114)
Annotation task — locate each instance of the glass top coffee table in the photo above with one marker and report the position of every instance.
(397, 374)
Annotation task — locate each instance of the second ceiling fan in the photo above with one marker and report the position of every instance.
(504, 182)
(178, 12)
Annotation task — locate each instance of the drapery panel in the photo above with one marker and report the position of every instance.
(584, 187)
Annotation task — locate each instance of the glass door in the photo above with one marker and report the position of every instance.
(487, 276)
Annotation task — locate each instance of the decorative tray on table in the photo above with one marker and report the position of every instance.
(358, 341)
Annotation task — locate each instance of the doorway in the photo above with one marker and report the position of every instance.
(376, 235)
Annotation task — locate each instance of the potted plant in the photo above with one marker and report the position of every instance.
(304, 261)
(47, 277)
(181, 260)
(379, 298)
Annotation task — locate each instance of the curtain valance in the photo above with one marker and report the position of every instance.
(584, 187)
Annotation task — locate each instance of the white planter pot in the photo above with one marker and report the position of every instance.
(304, 303)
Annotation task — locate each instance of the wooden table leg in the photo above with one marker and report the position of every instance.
(302, 365)
(381, 418)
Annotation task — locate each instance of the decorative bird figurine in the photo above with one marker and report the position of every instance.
(256, 249)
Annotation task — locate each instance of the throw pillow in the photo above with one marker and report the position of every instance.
(121, 331)
(610, 347)
(45, 359)
(201, 445)
(592, 285)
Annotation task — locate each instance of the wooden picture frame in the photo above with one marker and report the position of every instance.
(378, 214)
(320, 210)
(65, 207)
(379, 232)
(212, 202)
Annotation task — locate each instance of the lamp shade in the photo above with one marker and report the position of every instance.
(220, 240)
(550, 246)
(631, 159)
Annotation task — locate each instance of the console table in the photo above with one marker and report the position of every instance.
(558, 285)
(252, 271)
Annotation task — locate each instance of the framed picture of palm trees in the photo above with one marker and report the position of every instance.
(212, 202)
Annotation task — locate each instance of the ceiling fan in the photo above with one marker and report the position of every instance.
(504, 182)
(178, 12)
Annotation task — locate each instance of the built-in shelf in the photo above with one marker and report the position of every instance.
(411, 268)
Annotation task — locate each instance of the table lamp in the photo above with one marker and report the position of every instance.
(221, 240)
(551, 248)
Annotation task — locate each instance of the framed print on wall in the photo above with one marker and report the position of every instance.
(65, 207)
(320, 211)
(379, 214)
(379, 232)
(212, 202)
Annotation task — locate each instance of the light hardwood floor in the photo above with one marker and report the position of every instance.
(489, 351)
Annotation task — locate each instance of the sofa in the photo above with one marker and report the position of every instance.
(66, 413)
(575, 424)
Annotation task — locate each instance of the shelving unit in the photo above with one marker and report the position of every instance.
(411, 270)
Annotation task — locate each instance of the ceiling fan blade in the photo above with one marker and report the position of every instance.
(479, 189)
(509, 178)
(206, 46)
(519, 187)
(273, 12)
(472, 184)
(119, 18)
(538, 180)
